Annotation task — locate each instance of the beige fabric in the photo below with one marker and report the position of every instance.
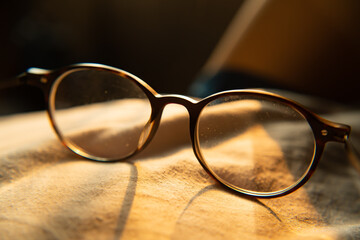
(47, 192)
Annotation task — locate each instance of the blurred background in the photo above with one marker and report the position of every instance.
(309, 46)
(163, 42)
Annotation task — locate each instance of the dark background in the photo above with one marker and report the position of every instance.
(163, 42)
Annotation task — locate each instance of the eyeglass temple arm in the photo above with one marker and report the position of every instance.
(13, 82)
(353, 154)
(341, 133)
(33, 76)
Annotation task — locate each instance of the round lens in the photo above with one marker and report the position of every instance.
(98, 113)
(257, 144)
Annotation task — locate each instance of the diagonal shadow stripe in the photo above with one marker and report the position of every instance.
(127, 202)
(198, 194)
(216, 186)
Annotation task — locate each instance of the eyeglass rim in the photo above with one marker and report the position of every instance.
(46, 80)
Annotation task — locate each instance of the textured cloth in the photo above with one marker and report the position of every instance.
(48, 192)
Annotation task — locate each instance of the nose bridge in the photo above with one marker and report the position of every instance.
(187, 102)
(190, 104)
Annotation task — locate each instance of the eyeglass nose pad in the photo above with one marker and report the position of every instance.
(145, 133)
(149, 131)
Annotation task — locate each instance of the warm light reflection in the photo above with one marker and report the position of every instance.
(255, 145)
(105, 129)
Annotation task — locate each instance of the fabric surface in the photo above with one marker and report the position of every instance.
(48, 192)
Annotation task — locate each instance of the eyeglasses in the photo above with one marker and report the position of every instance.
(254, 142)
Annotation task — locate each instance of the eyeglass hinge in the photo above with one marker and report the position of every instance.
(34, 77)
(336, 132)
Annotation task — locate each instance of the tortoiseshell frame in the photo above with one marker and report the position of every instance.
(324, 130)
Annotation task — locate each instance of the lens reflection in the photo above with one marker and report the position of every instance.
(261, 145)
(99, 113)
